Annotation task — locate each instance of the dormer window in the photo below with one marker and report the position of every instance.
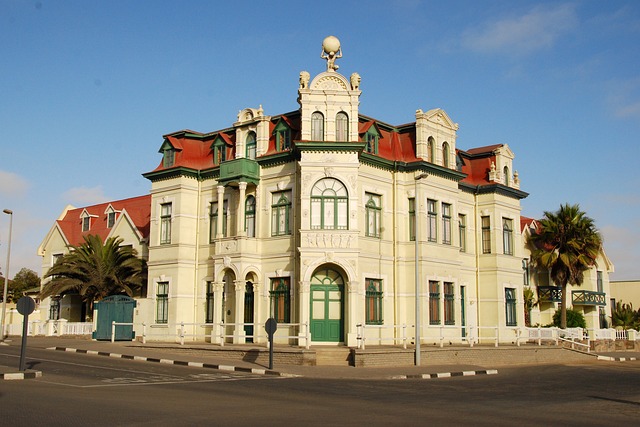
(506, 175)
(219, 151)
(86, 220)
(111, 219)
(168, 154)
(169, 157)
(371, 137)
(283, 136)
(251, 146)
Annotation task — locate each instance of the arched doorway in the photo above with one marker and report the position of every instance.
(327, 305)
(229, 304)
(248, 310)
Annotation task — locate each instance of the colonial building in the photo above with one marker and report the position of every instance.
(127, 219)
(327, 220)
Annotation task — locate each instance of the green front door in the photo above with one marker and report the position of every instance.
(327, 302)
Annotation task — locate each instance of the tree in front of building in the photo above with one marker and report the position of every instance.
(625, 316)
(567, 244)
(25, 280)
(574, 319)
(97, 269)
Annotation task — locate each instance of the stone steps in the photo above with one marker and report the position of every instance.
(333, 356)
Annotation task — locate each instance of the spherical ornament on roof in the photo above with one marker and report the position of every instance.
(331, 45)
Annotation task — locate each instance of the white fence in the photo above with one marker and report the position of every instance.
(219, 333)
(52, 328)
(299, 333)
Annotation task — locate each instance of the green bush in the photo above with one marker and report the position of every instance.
(575, 319)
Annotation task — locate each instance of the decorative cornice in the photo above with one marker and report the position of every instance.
(500, 189)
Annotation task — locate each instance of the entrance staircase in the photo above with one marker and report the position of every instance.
(333, 356)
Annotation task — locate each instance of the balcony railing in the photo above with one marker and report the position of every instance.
(549, 293)
(589, 298)
(240, 170)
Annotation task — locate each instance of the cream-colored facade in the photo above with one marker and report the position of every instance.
(323, 218)
(626, 292)
(348, 256)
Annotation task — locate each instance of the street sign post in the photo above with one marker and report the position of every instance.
(271, 326)
(25, 306)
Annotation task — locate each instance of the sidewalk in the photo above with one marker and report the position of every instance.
(226, 358)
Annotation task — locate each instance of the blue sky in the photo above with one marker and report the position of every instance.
(88, 88)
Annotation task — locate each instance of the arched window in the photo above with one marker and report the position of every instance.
(431, 150)
(445, 154)
(505, 171)
(329, 205)
(250, 216)
(317, 126)
(251, 146)
(342, 127)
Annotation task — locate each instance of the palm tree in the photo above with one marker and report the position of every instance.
(96, 270)
(567, 244)
(624, 315)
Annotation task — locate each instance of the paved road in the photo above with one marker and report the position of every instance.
(92, 390)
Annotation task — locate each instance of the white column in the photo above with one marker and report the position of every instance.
(220, 212)
(240, 231)
(239, 334)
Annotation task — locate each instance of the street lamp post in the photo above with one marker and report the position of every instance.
(6, 277)
(417, 270)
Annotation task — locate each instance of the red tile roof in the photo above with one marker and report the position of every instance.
(137, 208)
(396, 143)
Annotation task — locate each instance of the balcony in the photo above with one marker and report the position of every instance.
(549, 293)
(589, 298)
(239, 170)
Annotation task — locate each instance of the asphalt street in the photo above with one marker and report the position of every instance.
(80, 389)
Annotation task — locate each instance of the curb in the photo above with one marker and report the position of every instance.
(616, 359)
(27, 375)
(227, 368)
(445, 375)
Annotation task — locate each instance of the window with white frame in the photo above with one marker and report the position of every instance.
(373, 213)
(412, 219)
(445, 154)
(342, 126)
(462, 229)
(165, 223)
(525, 272)
(434, 302)
(281, 213)
(213, 219)
(251, 146)
(431, 150)
(373, 302)
(280, 295)
(111, 219)
(510, 307)
(162, 302)
(317, 126)
(449, 304)
(486, 234)
(209, 302)
(507, 235)
(250, 216)
(329, 205)
(446, 224)
(432, 220)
